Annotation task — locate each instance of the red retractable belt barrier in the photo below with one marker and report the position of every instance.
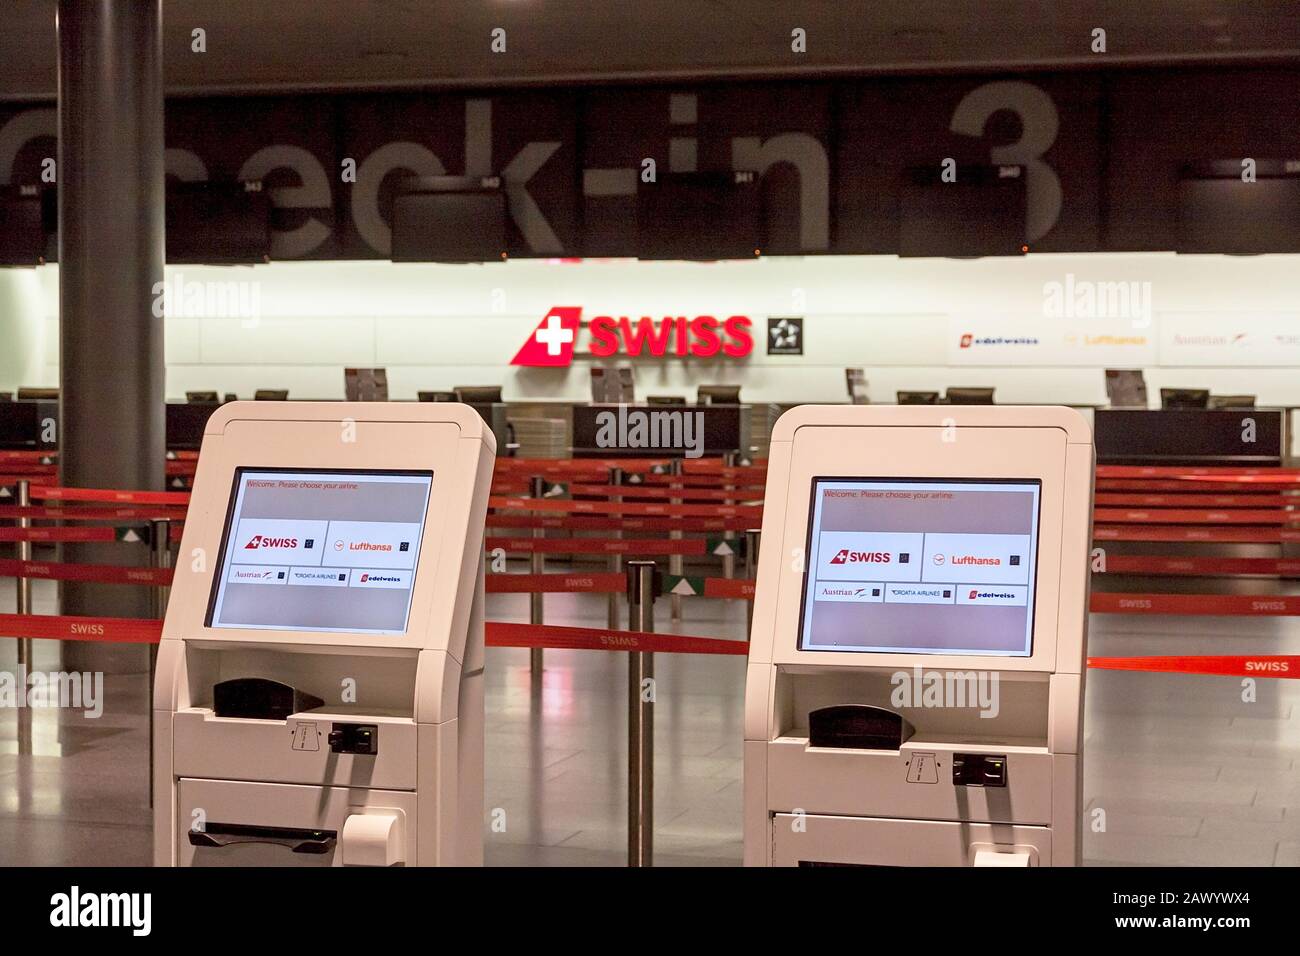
(109, 495)
(1181, 471)
(91, 513)
(577, 466)
(1235, 605)
(700, 481)
(1176, 533)
(1195, 564)
(625, 508)
(576, 583)
(1206, 486)
(500, 634)
(99, 573)
(598, 545)
(593, 523)
(1231, 666)
(58, 534)
(27, 455)
(30, 469)
(1284, 477)
(59, 627)
(642, 491)
(1194, 516)
(729, 588)
(1113, 499)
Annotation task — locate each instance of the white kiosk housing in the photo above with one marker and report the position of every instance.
(914, 694)
(319, 689)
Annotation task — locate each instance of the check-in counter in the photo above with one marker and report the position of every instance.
(1245, 437)
(661, 431)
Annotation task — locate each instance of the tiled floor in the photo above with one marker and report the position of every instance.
(1183, 770)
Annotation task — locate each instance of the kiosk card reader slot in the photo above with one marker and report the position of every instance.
(858, 726)
(914, 692)
(319, 691)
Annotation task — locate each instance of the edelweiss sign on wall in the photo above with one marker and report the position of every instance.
(556, 339)
(1038, 341)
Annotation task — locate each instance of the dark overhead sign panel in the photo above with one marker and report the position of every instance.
(837, 166)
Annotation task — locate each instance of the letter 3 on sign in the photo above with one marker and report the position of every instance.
(1039, 124)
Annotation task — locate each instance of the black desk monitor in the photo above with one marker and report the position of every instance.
(718, 395)
(1184, 398)
(271, 395)
(969, 396)
(1232, 401)
(477, 394)
(665, 399)
(38, 394)
(201, 397)
(918, 398)
(186, 420)
(436, 396)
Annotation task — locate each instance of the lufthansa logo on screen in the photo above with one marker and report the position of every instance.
(845, 556)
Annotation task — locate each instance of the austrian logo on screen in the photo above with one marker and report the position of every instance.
(847, 556)
(555, 340)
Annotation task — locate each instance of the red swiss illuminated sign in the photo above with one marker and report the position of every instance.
(553, 342)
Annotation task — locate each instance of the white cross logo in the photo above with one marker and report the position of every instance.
(553, 335)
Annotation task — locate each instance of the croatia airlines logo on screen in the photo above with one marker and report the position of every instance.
(554, 341)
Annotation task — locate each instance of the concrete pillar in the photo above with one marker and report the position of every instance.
(111, 218)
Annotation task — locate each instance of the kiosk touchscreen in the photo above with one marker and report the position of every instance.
(914, 693)
(318, 698)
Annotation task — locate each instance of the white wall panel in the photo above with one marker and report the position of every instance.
(435, 326)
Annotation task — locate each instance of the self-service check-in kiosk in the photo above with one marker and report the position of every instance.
(914, 693)
(319, 689)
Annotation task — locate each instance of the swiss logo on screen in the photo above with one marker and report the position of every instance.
(262, 541)
(845, 556)
(554, 341)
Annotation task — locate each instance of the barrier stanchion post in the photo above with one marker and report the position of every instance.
(641, 591)
(615, 560)
(24, 606)
(160, 556)
(752, 537)
(536, 600)
(729, 559)
(676, 562)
